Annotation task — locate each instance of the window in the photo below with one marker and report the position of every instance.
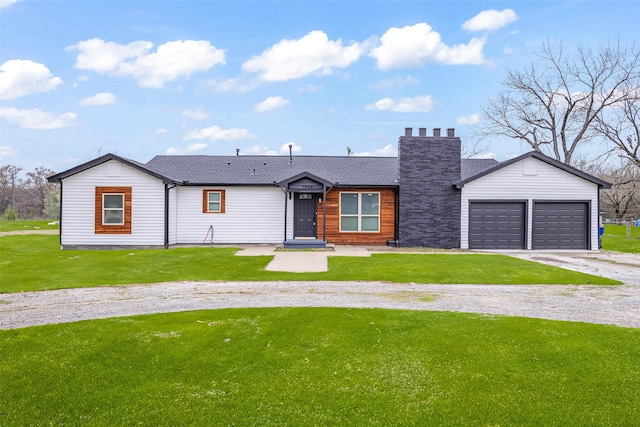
(213, 201)
(360, 212)
(113, 210)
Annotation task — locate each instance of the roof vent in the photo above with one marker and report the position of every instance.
(422, 131)
(451, 132)
(408, 131)
(436, 131)
(237, 151)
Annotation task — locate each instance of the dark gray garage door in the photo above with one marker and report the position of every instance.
(497, 225)
(560, 225)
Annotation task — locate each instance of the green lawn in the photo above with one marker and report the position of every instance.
(615, 238)
(35, 262)
(28, 225)
(296, 366)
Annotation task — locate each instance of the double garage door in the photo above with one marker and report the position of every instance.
(503, 225)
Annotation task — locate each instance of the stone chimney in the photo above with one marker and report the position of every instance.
(429, 205)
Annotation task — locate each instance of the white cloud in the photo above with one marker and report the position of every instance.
(215, 133)
(404, 105)
(489, 20)
(161, 131)
(170, 61)
(265, 151)
(198, 114)
(259, 150)
(20, 77)
(254, 149)
(387, 151)
(37, 119)
(314, 53)
(236, 85)
(104, 98)
(508, 50)
(295, 148)
(7, 3)
(412, 46)
(271, 103)
(469, 120)
(6, 151)
(188, 149)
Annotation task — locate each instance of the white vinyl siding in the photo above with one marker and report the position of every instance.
(529, 180)
(252, 215)
(78, 204)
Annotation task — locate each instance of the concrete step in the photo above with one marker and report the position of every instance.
(304, 244)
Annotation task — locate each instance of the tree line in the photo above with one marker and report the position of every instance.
(29, 195)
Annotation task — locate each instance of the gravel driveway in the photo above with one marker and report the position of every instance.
(616, 305)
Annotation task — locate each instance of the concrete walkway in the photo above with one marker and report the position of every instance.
(301, 261)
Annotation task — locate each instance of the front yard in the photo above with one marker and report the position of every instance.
(320, 366)
(35, 262)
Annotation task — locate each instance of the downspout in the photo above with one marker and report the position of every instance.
(324, 213)
(286, 196)
(60, 215)
(166, 214)
(396, 223)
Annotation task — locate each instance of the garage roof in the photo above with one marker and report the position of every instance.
(541, 157)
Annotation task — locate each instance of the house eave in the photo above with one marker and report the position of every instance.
(539, 156)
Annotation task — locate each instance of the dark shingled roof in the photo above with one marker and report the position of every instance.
(471, 167)
(265, 170)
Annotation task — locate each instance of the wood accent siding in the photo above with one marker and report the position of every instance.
(387, 219)
(205, 201)
(100, 228)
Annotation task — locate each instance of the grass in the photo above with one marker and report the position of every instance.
(28, 225)
(293, 366)
(35, 262)
(615, 239)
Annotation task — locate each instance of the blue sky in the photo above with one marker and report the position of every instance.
(79, 79)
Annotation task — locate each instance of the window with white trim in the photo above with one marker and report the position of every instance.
(112, 209)
(213, 201)
(360, 212)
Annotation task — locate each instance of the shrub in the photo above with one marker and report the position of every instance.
(10, 214)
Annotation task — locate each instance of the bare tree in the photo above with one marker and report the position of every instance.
(622, 200)
(620, 125)
(554, 103)
(9, 184)
(36, 188)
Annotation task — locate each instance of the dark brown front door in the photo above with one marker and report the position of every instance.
(304, 213)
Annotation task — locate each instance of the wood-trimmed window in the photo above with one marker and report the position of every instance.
(213, 201)
(360, 212)
(113, 210)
